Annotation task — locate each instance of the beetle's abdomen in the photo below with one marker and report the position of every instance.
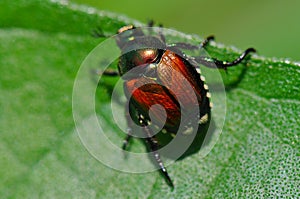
(145, 93)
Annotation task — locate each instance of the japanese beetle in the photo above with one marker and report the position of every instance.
(162, 75)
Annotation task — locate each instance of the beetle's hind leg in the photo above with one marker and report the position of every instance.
(153, 146)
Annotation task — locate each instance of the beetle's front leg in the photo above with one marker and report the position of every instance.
(187, 46)
(215, 63)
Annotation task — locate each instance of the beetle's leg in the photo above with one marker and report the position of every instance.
(188, 46)
(181, 45)
(129, 134)
(110, 73)
(161, 36)
(127, 139)
(150, 23)
(215, 63)
(206, 41)
(153, 145)
(129, 130)
(98, 33)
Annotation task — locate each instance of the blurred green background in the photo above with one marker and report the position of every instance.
(271, 26)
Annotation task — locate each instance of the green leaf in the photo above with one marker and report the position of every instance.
(42, 46)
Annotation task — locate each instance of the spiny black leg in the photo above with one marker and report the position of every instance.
(153, 145)
(215, 63)
(206, 41)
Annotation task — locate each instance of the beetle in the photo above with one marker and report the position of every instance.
(161, 71)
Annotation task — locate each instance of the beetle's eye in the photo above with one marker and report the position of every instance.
(145, 56)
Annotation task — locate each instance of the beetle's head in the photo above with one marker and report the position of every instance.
(138, 49)
(127, 34)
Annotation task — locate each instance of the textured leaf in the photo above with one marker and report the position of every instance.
(42, 46)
